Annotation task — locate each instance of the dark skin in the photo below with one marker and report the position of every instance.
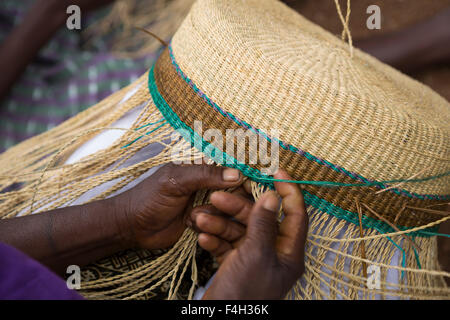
(155, 213)
(106, 229)
(243, 236)
(150, 215)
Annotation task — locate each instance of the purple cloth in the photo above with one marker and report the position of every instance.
(22, 278)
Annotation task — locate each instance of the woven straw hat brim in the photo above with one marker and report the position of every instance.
(177, 90)
(270, 67)
(264, 65)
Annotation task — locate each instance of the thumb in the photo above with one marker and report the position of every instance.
(262, 228)
(191, 178)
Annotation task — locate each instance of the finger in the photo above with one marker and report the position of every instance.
(242, 191)
(192, 178)
(233, 205)
(194, 212)
(248, 186)
(220, 227)
(245, 190)
(293, 228)
(262, 226)
(220, 258)
(217, 247)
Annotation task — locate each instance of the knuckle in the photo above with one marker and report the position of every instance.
(226, 231)
(213, 171)
(177, 179)
(204, 173)
(236, 231)
(165, 181)
(223, 250)
(165, 170)
(215, 246)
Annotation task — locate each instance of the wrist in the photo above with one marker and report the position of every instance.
(123, 221)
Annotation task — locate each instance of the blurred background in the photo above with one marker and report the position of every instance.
(50, 73)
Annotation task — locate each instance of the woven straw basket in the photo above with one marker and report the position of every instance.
(370, 145)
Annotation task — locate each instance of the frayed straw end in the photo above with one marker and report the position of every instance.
(164, 43)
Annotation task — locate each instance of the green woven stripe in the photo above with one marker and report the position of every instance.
(221, 157)
(286, 146)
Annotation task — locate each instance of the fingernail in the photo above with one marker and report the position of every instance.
(199, 217)
(230, 175)
(271, 201)
(213, 195)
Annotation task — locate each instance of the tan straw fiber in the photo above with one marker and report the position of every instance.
(373, 142)
(162, 17)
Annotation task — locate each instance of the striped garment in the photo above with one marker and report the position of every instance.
(63, 79)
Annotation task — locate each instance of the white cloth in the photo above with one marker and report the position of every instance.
(107, 138)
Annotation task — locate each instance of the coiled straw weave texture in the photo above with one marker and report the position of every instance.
(269, 67)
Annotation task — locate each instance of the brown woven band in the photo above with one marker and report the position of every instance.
(190, 107)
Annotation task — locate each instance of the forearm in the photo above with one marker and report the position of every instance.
(74, 235)
(25, 41)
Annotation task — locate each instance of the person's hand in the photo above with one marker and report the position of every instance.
(264, 260)
(151, 215)
(221, 230)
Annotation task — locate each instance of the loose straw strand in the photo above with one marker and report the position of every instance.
(393, 226)
(345, 24)
(384, 235)
(361, 233)
(164, 43)
(402, 182)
